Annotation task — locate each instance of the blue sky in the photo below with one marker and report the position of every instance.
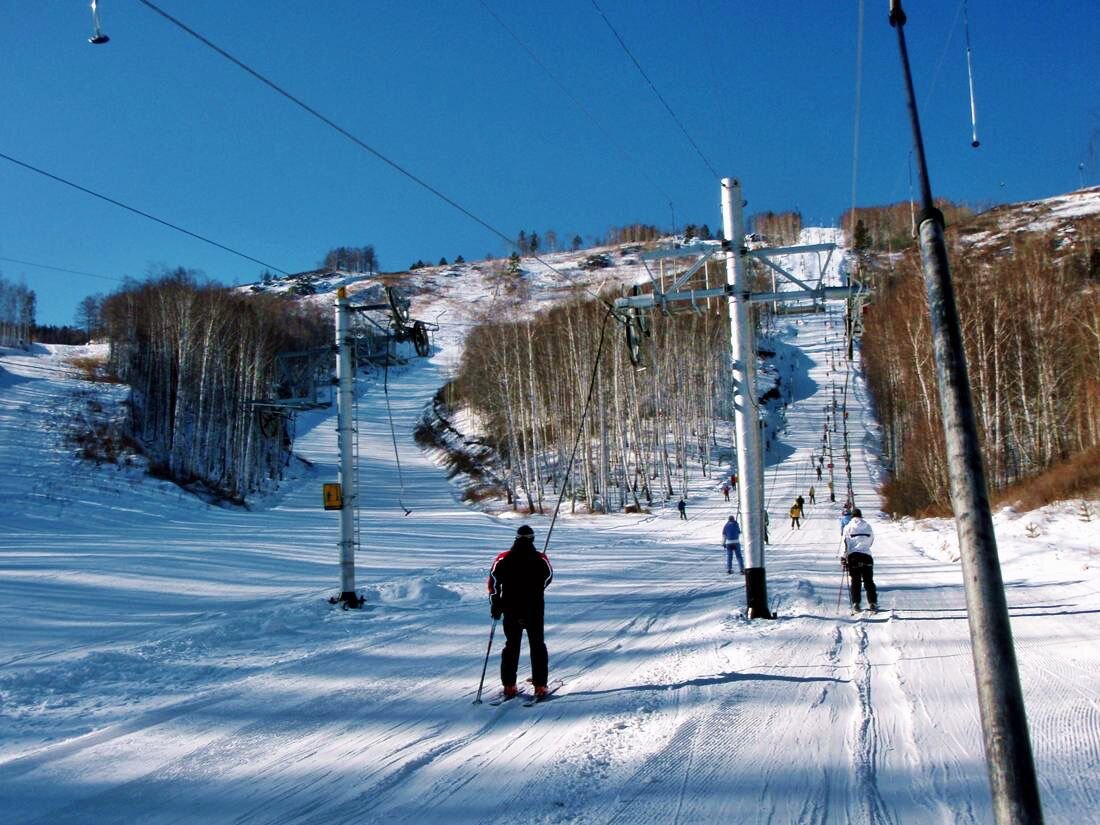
(766, 91)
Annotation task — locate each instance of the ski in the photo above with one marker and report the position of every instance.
(500, 700)
(551, 689)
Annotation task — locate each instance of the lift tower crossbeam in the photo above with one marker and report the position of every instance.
(750, 461)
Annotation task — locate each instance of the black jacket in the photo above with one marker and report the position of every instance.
(518, 577)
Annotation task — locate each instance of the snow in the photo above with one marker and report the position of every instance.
(1049, 215)
(165, 660)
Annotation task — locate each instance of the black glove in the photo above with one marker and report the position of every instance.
(495, 608)
(844, 563)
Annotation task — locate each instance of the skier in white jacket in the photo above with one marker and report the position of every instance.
(856, 559)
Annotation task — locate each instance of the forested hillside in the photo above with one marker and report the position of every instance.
(528, 381)
(195, 357)
(1027, 279)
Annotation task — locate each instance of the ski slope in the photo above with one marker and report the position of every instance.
(164, 660)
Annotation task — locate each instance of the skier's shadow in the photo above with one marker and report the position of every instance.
(727, 678)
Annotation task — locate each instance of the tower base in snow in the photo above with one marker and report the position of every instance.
(756, 593)
(349, 599)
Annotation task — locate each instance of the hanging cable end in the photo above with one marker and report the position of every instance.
(897, 14)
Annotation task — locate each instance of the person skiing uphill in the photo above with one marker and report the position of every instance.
(856, 559)
(681, 505)
(796, 514)
(517, 580)
(731, 538)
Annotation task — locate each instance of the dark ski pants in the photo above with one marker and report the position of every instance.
(734, 548)
(513, 635)
(861, 568)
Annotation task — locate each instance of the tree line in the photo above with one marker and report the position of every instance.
(17, 311)
(1031, 328)
(196, 357)
(892, 228)
(527, 381)
(779, 228)
(351, 259)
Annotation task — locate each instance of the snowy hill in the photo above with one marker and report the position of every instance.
(165, 660)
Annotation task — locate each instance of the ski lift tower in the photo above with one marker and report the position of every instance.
(750, 461)
(345, 496)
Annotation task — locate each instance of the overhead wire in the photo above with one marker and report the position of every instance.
(653, 87)
(362, 144)
(62, 269)
(943, 54)
(855, 129)
(714, 75)
(576, 102)
(580, 428)
(136, 211)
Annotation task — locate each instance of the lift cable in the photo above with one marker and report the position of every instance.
(855, 130)
(354, 139)
(393, 435)
(122, 205)
(660, 97)
(61, 269)
(573, 98)
(580, 426)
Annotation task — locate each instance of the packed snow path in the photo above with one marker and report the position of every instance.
(166, 661)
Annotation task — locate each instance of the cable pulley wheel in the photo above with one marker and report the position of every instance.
(633, 342)
(398, 305)
(420, 338)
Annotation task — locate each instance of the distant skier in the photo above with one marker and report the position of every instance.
(832, 492)
(801, 502)
(726, 491)
(796, 514)
(812, 499)
(516, 581)
(681, 505)
(733, 481)
(731, 538)
(819, 472)
(845, 516)
(856, 559)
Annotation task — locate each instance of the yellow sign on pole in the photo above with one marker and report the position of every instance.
(334, 496)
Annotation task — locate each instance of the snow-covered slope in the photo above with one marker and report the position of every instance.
(168, 661)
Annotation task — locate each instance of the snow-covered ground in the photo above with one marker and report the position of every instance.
(164, 660)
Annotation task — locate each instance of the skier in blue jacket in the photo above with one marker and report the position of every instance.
(845, 516)
(731, 538)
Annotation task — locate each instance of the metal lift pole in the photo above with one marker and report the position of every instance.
(750, 465)
(345, 434)
(1008, 753)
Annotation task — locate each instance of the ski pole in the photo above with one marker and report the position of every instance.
(839, 593)
(485, 667)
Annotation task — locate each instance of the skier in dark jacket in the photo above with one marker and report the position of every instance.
(681, 505)
(516, 581)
